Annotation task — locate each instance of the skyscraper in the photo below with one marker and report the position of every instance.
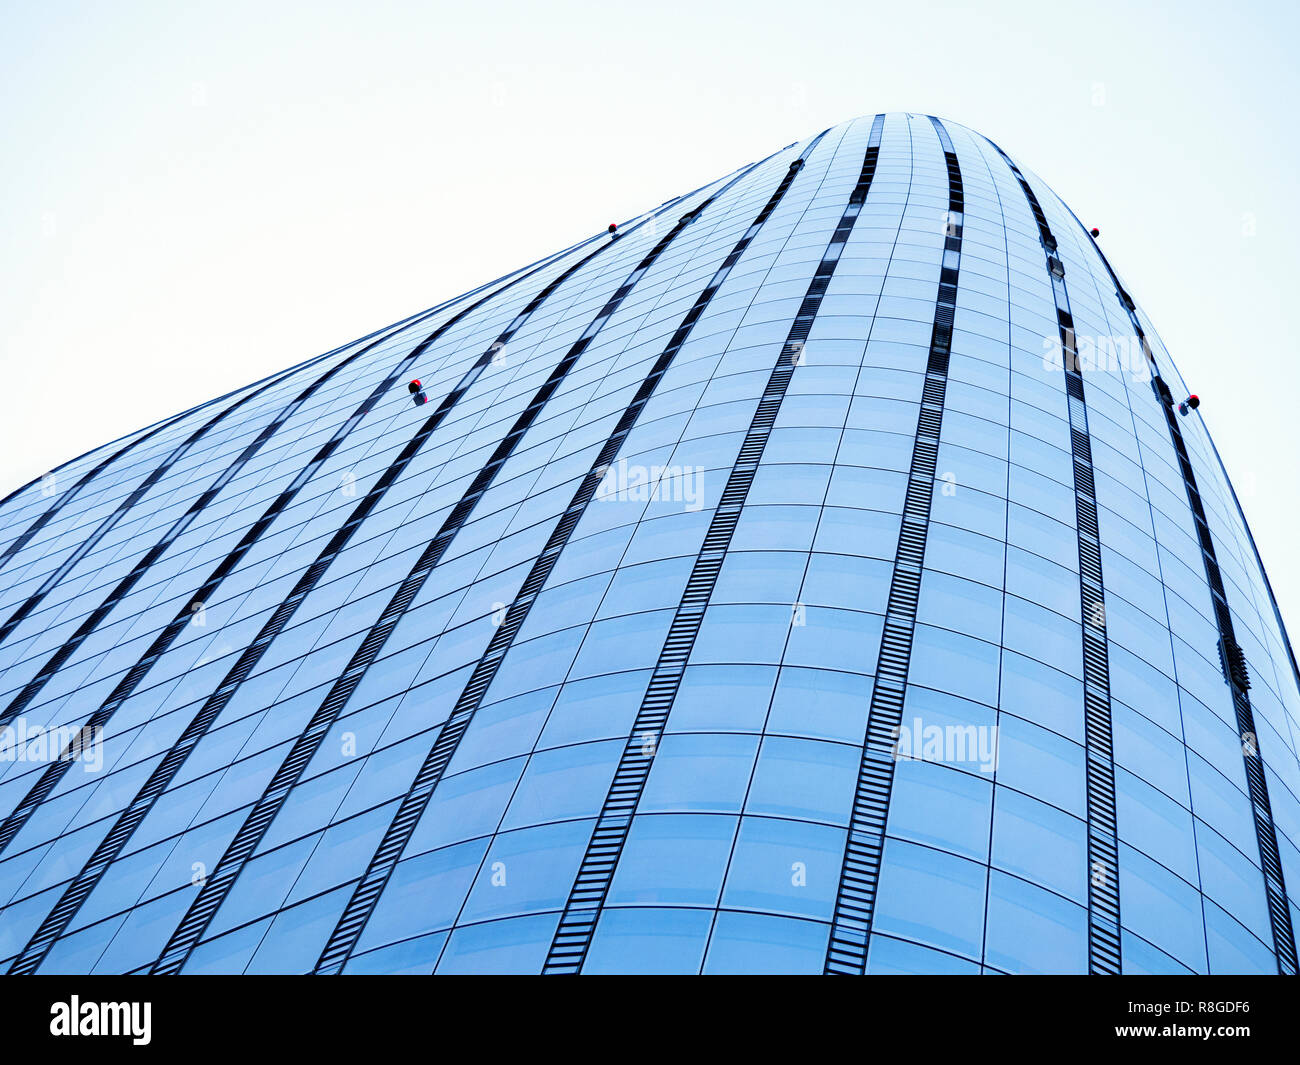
(827, 571)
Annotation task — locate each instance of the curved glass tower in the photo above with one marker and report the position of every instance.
(816, 575)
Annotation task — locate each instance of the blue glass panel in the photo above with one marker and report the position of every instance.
(648, 942)
(758, 944)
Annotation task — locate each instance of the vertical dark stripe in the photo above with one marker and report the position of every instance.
(1103, 842)
(389, 852)
(1232, 660)
(244, 665)
(859, 876)
(586, 898)
(218, 885)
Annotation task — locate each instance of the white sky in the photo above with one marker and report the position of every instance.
(197, 195)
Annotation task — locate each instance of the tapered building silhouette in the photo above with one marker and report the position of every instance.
(824, 572)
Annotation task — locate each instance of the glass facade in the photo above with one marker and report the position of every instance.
(818, 574)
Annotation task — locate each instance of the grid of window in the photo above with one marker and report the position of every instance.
(597, 662)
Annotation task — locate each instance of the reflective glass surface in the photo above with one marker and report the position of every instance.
(372, 685)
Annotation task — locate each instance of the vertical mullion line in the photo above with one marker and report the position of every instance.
(846, 951)
(338, 949)
(21, 541)
(85, 881)
(586, 898)
(1103, 841)
(1232, 660)
(228, 868)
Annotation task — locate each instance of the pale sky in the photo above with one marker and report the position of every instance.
(196, 195)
